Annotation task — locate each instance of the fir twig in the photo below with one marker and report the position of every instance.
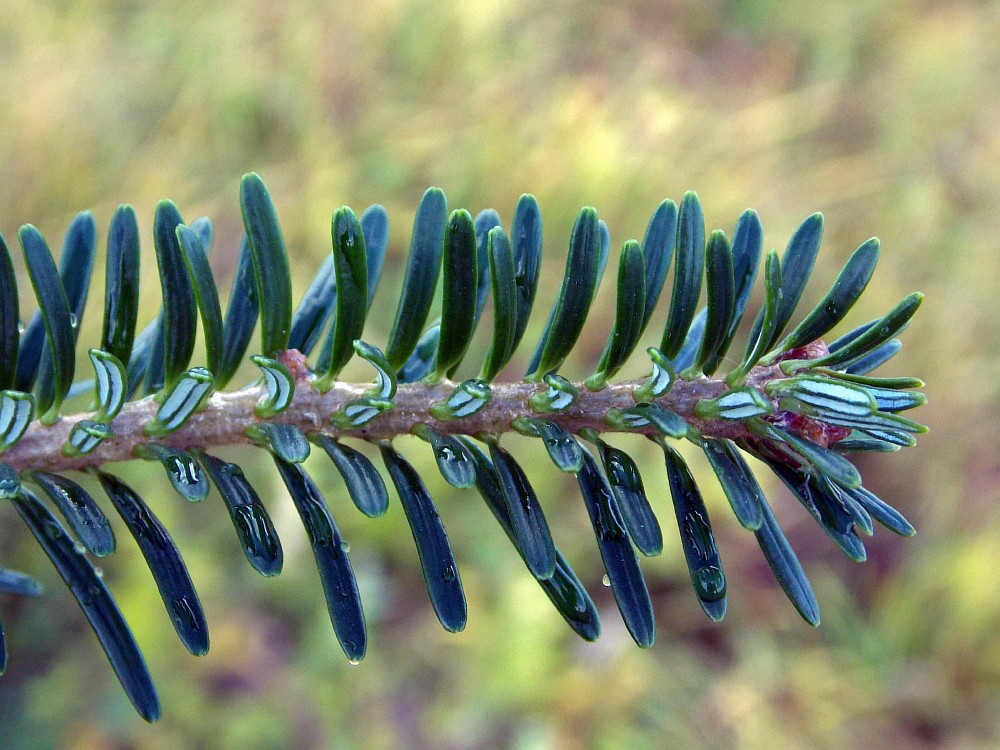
(798, 405)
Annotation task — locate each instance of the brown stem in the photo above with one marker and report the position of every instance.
(227, 415)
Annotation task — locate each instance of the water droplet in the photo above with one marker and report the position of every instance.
(710, 583)
(449, 573)
(259, 544)
(79, 548)
(53, 530)
(185, 476)
(20, 326)
(99, 572)
(345, 546)
(353, 662)
(452, 462)
(73, 322)
(606, 580)
(176, 468)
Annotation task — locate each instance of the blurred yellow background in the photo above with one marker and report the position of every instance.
(885, 116)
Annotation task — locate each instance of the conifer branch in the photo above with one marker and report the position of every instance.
(797, 404)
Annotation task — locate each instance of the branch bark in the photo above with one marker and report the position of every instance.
(225, 418)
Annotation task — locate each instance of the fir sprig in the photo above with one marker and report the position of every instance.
(797, 404)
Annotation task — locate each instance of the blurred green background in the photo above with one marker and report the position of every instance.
(885, 116)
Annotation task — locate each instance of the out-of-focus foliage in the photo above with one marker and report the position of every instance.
(883, 115)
